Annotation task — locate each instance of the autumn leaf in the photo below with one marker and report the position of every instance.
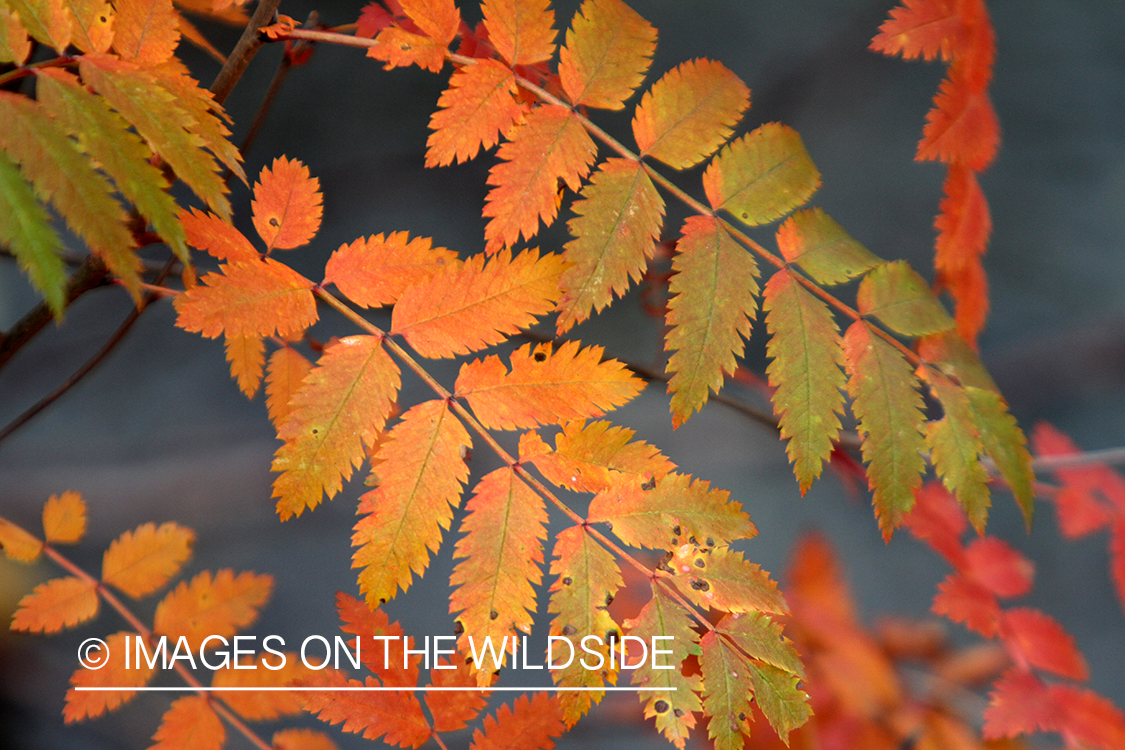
(399, 48)
(545, 386)
(596, 456)
(1043, 642)
(1001, 569)
(394, 716)
(265, 671)
(92, 24)
(301, 739)
(287, 205)
(761, 638)
(956, 448)
(190, 724)
(376, 271)
(727, 692)
(46, 20)
(421, 472)
(145, 31)
(607, 53)
(247, 357)
(807, 354)
(715, 291)
(209, 233)
(25, 227)
(617, 222)
(721, 578)
(64, 518)
(341, 406)
(689, 113)
(967, 602)
(141, 561)
(478, 107)
(285, 373)
(785, 706)
(900, 298)
(18, 544)
(90, 704)
(467, 307)
(211, 606)
(438, 19)
(921, 28)
(522, 31)
(57, 604)
(550, 145)
(527, 722)
(888, 406)
(822, 248)
(962, 128)
(395, 670)
(256, 298)
(761, 176)
(498, 560)
(14, 44)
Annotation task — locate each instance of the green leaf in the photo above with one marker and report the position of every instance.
(956, 448)
(784, 705)
(618, 220)
(62, 174)
(1005, 444)
(896, 295)
(761, 638)
(677, 509)
(727, 691)
(689, 113)
(822, 248)
(715, 288)
(162, 119)
(762, 176)
(887, 404)
(673, 708)
(953, 356)
(805, 373)
(106, 137)
(25, 227)
(587, 580)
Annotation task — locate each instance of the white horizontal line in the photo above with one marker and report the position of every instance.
(377, 689)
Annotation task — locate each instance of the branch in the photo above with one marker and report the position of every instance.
(244, 51)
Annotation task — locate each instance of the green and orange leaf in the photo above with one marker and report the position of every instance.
(618, 221)
(822, 248)
(25, 227)
(92, 24)
(727, 692)
(550, 146)
(140, 561)
(956, 448)
(715, 288)
(14, 44)
(608, 50)
(220, 605)
(689, 113)
(341, 407)
(545, 386)
(376, 271)
(466, 307)
(421, 472)
(900, 298)
(721, 578)
(596, 456)
(46, 20)
(287, 205)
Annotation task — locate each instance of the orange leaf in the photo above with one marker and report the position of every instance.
(14, 44)
(596, 456)
(211, 234)
(257, 298)
(938, 520)
(477, 108)
(1003, 571)
(48, 21)
(190, 724)
(93, 703)
(964, 222)
(522, 31)
(247, 357)
(1043, 642)
(454, 709)
(374, 713)
(388, 661)
(302, 739)
(285, 373)
(438, 19)
(17, 543)
(376, 271)
(500, 557)
(141, 561)
(262, 705)
(618, 221)
(1078, 503)
(287, 205)
(725, 580)
(551, 145)
(343, 404)
(468, 307)
(211, 606)
(57, 604)
(146, 31)
(92, 28)
(398, 48)
(528, 722)
(608, 50)
(922, 28)
(545, 387)
(64, 518)
(421, 473)
(961, 128)
(969, 603)
(689, 113)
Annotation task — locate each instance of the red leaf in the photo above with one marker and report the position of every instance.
(387, 662)
(938, 520)
(968, 603)
(528, 723)
(1019, 704)
(452, 710)
(998, 567)
(962, 127)
(1080, 509)
(1088, 718)
(921, 28)
(1043, 642)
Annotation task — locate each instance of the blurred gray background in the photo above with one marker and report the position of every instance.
(160, 432)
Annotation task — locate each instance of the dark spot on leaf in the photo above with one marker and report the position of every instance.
(611, 637)
(316, 431)
(274, 222)
(458, 628)
(493, 615)
(569, 630)
(676, 530)
(699, 563)
(567, 581)
(691, 540)
(382, 601)
(741, 716)
(700, 585)
(649, 484)
(663, 564)
(745, 215)
(660, 706)
(678, 712)
(406, 48)
(710, 542)
(608, 599)
(609, 525)
(539, 356)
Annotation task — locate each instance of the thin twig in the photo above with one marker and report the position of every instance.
(244, 51)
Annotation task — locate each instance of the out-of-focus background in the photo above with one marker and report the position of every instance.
(160, 432)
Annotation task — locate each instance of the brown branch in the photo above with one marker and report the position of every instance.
(244, 51)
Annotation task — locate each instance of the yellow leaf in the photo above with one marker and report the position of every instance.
(17, 543)
(46, 20)
(141, 561)
(608, 50)
(64, 518)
